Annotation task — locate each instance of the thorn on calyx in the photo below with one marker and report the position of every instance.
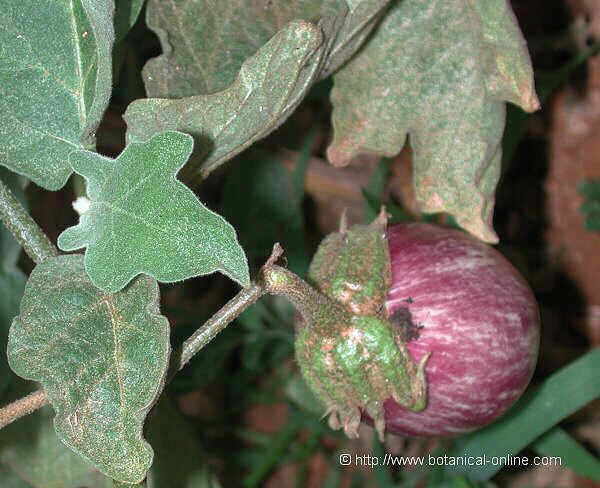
(344, 221)
(382, 218)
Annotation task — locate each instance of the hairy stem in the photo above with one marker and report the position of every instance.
(316, 308)
(23, 406)
(33, 240)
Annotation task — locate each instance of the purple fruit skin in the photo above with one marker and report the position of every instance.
(480, 322)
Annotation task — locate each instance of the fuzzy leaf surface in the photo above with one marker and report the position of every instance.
(205, 43)
(276, 62)
(267, 89)
(55, 83)
(31, 456)
(440, 72)
(143, 220)
(101, 359)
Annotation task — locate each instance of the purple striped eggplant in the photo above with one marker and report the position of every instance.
(420, 329)
(476, 317)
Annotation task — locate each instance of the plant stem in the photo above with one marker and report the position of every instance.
(23, 406)
(318, 311)
(229, 312)
(31, 237)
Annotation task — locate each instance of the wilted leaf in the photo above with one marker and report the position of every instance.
(143, 220)
(270, 83)
(440, 72)
(31, 456)
(55, 83)
(100, 358)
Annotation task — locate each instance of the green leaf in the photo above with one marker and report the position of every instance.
(558, 443)
(226, 115)
(205, 42)
(439, 72)
(590, 190)
(141, 211)
(225, 123)
(102, 360)
(55, 83)
(179, 461)
(536, 412)
(126, 14)
(31, 456)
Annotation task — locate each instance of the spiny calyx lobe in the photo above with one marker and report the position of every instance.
(349, 353)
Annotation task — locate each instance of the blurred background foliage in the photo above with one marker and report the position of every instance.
(239, 414)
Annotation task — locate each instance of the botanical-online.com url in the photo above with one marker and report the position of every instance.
(445, 460)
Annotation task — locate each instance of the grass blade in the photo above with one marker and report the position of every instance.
(560, 395)
(559, 443)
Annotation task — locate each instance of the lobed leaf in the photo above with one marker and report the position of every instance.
(143, 220)
(205, 43)
(278, 59)
(225, 123)
(55, 83)
(101, 359)
(438, 72)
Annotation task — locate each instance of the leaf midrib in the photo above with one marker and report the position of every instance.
(78, 64)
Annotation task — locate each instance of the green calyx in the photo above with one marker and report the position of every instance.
(350, 354)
